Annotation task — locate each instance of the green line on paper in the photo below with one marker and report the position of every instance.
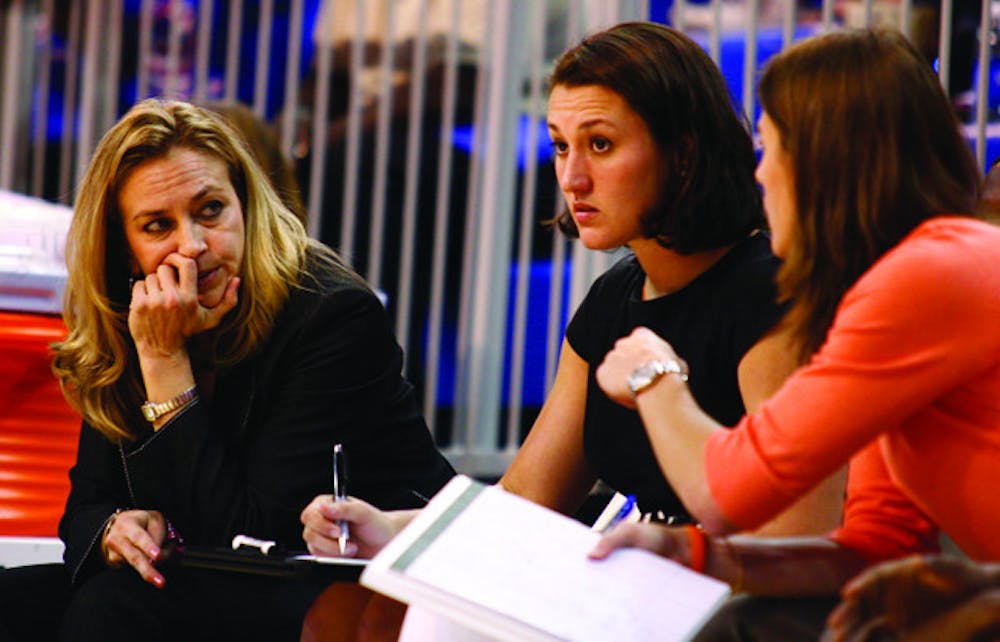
(430, 534)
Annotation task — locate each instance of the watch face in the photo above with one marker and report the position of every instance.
(644, 375)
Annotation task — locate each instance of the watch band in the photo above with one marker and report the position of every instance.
(153, 410)
(650, 372)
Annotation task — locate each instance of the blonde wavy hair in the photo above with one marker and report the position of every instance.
(96, 365)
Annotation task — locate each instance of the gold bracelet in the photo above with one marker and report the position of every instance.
(104, 535)
(736, 586)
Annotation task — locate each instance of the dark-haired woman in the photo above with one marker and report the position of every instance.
(649, 154)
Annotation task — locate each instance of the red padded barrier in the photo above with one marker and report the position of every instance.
(38, 429)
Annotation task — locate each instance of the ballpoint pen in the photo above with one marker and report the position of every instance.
(623, 512)
(340, 489)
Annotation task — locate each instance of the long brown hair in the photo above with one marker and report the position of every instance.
(875, 148)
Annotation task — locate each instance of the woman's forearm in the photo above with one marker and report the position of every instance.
(799, 566)
(678, 430)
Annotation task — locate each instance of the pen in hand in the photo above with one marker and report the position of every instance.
(340, 490)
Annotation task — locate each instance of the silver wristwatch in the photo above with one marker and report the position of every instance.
(650, 372)
(153, 410)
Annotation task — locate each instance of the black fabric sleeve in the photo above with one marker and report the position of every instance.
(336, 380)
(96, 491)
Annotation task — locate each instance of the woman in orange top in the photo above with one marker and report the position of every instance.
(869, 189)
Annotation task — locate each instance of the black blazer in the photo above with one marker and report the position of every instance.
(250, 459)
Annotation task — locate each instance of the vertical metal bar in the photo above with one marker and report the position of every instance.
(320, 129)
(203, 50)
(680, 14)
(44, 88)
(634, 10)
(906, 16)
(867, 12)
(715, 37)
(145, 49)
(827, 13)
(383, 130)
(944, 53)
(69, 105)
(292, 58)
(750, 58)
(535, 51)
(88, 87)
(461, 410)
(266, 16)
(642, 10)
(415, 118)
(171, 81)
(8, 102)
(352, 161)
(983, 82)
(788, 26)
(432, 361)
(233, 42)
(113, 63)
(491, 272)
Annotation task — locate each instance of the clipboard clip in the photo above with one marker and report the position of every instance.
(244, 542)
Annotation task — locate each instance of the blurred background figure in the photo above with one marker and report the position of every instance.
(262, 141)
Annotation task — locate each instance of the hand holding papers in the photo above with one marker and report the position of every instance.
(508, 568)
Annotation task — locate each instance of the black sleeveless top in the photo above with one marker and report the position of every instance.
(711, 323)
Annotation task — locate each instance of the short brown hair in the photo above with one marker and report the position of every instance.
(709, 198)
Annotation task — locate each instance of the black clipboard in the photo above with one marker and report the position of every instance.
(264, 558)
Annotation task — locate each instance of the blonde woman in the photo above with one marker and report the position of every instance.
(216, 354)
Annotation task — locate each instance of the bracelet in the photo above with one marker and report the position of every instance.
(696, 547)
(737, 586)
(153, 410)
(107, 530)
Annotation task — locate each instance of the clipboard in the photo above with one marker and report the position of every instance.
(262, 557)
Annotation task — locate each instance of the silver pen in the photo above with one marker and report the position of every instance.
(340, 490)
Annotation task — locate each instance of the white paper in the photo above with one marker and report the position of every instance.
(332, 561)
(529, 565)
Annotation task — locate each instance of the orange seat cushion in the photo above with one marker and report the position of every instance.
(38, 429)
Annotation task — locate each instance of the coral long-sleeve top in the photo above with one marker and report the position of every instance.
(906, 387)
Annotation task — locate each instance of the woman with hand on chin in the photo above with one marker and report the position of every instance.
(870, 188)
(216, 354)
(649, 154)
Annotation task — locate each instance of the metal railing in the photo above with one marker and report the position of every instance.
(416, 129)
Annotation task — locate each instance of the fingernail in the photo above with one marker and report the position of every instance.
(154, 553)
(158, 581)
